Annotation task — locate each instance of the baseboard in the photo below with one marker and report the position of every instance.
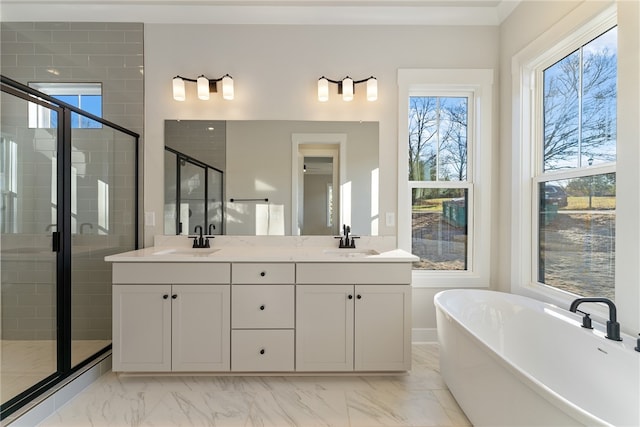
(36, 412)
(424, 335)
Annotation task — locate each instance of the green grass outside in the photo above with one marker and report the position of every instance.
(575, 203)
(430, 205)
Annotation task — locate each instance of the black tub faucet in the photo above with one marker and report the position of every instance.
(613, 327)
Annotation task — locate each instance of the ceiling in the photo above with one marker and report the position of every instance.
(286, 12)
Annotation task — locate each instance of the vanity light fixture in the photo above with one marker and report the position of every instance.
(346, 88)
(205, 87)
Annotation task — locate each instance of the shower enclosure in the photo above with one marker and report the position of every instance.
(193, 194)
(68, 198)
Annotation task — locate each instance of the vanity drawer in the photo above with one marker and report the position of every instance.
(171, 272)
(258, 273)
(372, 273)
(262, 350)
(262, 307)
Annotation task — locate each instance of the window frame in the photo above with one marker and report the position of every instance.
(527, 133)
(41, 119)
(477, 86)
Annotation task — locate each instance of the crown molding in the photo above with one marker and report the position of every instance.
(274, 12)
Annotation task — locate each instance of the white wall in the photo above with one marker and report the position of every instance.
(275, 70)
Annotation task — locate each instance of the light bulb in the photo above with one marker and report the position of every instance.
(372, 89)
(178, 89)
(227, 87)
(347, 89)
(323, 89)
(203, 88)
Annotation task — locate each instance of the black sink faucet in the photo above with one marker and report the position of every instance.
(345, 231)
(613, 327)
(345, 241)
(200, 241)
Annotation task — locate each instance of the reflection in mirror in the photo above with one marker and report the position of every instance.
(193, 185)
(264, 177)
(318, 203)
(193, 195)
(317, 206)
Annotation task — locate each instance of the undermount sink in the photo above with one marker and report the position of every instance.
(351, 252)
(186, 252)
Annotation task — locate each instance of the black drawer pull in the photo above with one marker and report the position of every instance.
(350, 296)
(262, 307)
(262, 351)
(174, 296)
(359, 297)
(165, 296)
(263, 273)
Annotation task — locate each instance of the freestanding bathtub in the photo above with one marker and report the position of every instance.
(512, 361)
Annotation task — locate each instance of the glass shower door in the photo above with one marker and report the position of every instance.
(103, 197)
(214, 201)
(28, 221)
(192, 197)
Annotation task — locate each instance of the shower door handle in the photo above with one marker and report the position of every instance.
(55, 241)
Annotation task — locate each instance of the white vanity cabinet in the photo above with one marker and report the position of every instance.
(261, 309)
(364, 325)
(171, 317)
(263, 317)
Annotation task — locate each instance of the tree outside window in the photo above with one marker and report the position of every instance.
(577, 181)
(438, 157)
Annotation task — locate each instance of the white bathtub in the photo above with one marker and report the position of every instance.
(514, 361)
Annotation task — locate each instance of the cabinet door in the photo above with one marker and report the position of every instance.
(324, 328)
(382, 328)
(141, 328)
(200, 327)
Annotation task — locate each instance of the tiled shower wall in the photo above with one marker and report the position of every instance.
(106, 53)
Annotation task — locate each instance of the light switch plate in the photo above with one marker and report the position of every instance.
(150, 219)
(390, 219)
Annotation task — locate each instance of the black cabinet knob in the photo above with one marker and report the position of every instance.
(359, 297)
(262, 307)
(165, 296)
(263, 273)
(174, 296)
(350, 296)
(262, 351)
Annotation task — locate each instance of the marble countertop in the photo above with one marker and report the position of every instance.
(179, 250)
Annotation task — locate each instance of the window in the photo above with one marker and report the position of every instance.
(575, 179)
(438, 153)
(86, 96)
(444, 178)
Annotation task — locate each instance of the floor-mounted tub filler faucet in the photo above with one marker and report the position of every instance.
(613, 327)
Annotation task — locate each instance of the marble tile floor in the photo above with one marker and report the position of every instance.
(419, 398)
(23, 363)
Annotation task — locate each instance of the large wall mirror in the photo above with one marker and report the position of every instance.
(271, 177)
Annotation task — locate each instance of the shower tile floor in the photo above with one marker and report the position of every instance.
(25, 362)
(419, 398)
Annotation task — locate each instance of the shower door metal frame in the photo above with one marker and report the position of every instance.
(183, 157)
(61, 238)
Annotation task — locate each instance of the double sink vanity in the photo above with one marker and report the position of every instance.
(252, 305)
